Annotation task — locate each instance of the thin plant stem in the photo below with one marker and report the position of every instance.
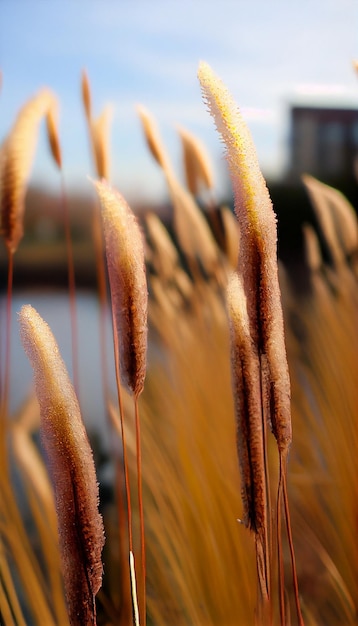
(140, 504)
(290, 542)
(8, 325)
(267, 480)
(281, 575)
(71, 286)
(134, 589)
(102, 294)
(125, 458)
(124, 446)
(122, 510)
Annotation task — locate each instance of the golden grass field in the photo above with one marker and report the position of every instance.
(217, 517)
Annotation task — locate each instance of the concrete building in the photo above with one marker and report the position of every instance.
(323, 142)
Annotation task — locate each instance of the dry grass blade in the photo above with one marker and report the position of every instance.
(324, 216)
(10, 606)
(312, 249)
(15, 163)
(336, 217)
(34, 470)
(325, 400)
(41, 502)
(72, 469)
(198, 170)
(165, 253)
(17, 551)
(190, 470)
(193, 232)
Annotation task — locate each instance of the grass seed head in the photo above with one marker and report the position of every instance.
(245, 369)
(198, 170)
(100, 140)
(53, 135)
(86, 95)
(153, 139)
(71, 467)
(127, 277)
(16, 159)
(258, 247)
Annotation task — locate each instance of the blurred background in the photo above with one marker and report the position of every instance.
(289, 66)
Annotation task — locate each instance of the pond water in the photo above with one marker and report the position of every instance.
(55, 310)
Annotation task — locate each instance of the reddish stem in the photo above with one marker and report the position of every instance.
(6, 388)
(71, 287)
(290, 543)
(281, 573)
(140, 504)
(124, 446)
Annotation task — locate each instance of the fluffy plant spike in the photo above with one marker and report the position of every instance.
(98, 129)
(71, 468)
(246, 382)
(257, 261)
(16, 159)
(100, 140)
(153, 140)
(193, 232)
(86, 95)
(198, 170)
(245, 366)
(53, 135)
(128, 284)
(257, 265)
(127, 277)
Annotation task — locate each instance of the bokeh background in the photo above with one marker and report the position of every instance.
(272, 55)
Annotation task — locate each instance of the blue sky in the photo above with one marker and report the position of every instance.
(268, 52)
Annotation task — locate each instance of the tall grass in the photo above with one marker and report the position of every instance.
(185, 410)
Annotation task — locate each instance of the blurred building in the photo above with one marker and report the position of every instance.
(323, 142)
